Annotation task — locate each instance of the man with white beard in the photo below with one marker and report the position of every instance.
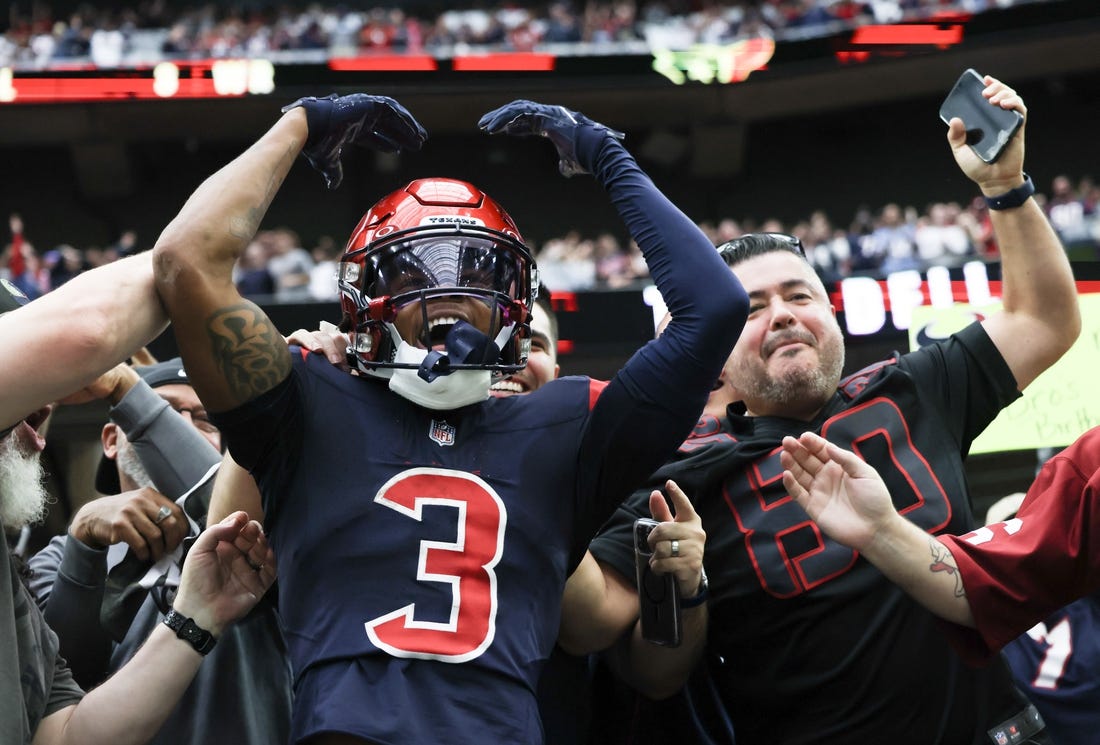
(61, 343)
(22, 478)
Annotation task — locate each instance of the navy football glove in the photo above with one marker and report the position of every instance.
(556, 123)
(377, 122)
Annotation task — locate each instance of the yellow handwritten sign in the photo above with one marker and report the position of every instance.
(1058, 406)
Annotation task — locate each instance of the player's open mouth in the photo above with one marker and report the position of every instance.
(438, 328)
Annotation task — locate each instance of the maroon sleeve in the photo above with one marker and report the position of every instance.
(1018, 572)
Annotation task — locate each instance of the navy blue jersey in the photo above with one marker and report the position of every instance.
(811, 643)
(1057, 664)
(422, 547)
(429, 560)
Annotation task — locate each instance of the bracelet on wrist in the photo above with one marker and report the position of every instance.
(199, 638)
(700, 595)
(1013, 198)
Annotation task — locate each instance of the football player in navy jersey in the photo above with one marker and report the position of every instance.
(807, 642)
(425, 529)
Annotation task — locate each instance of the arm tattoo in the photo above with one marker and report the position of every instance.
(943, 561)
(252, 355)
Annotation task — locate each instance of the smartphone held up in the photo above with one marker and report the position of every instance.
(658, 594)
(989, 128)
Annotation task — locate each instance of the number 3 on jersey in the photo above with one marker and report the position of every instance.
(466, 564)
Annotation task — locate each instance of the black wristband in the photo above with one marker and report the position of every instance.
(1013, 198)
(700, 596)
(199, 638)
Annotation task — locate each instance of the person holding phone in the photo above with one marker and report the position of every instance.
(808, 642)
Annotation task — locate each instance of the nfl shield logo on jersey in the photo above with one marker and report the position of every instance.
(442, 432)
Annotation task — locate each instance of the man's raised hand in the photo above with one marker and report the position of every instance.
(843, 495)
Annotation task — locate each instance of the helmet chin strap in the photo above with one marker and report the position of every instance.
(434, 384)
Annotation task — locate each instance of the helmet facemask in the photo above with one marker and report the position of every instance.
(459, 289)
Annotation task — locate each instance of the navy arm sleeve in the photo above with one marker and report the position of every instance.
(654, 401)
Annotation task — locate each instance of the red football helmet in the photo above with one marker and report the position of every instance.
(436, 237)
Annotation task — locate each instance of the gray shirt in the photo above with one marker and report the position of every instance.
(242, 692)
(34, 680)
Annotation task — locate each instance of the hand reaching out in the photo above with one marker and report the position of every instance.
(134, 518)
(111, 386)
(327, 340)
(842, 494)
(227, 571)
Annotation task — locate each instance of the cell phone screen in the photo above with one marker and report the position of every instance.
(989, 128)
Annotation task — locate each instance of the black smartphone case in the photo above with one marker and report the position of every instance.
(658, 598)
(988, 128)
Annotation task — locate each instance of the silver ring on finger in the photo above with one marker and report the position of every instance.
(162, 514)
(675, 547)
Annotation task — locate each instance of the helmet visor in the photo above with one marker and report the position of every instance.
(431, 262)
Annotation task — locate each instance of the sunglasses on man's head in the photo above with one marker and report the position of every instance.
(731, 251)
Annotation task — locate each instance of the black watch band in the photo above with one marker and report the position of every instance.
(700, 596)
(1013, 198)
(199, 638)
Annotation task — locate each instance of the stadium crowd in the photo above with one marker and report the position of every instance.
(876, 242)
(109, 35)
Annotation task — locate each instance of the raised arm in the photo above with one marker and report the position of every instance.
(232, 351)
(850, 503)
(653, 402)
(1041, 318)
(68, 337)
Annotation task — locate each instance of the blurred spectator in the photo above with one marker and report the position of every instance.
(563, 26)
(107, 45)
(322, 277)
(289, 264)
(891, 243)
(126, 244)
(980, 228)
(939, 237)
(251, 275)
(1067, 213)
(567, 263)
(611, 261)
(75, 39)
(827, 249)
(66, 264)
